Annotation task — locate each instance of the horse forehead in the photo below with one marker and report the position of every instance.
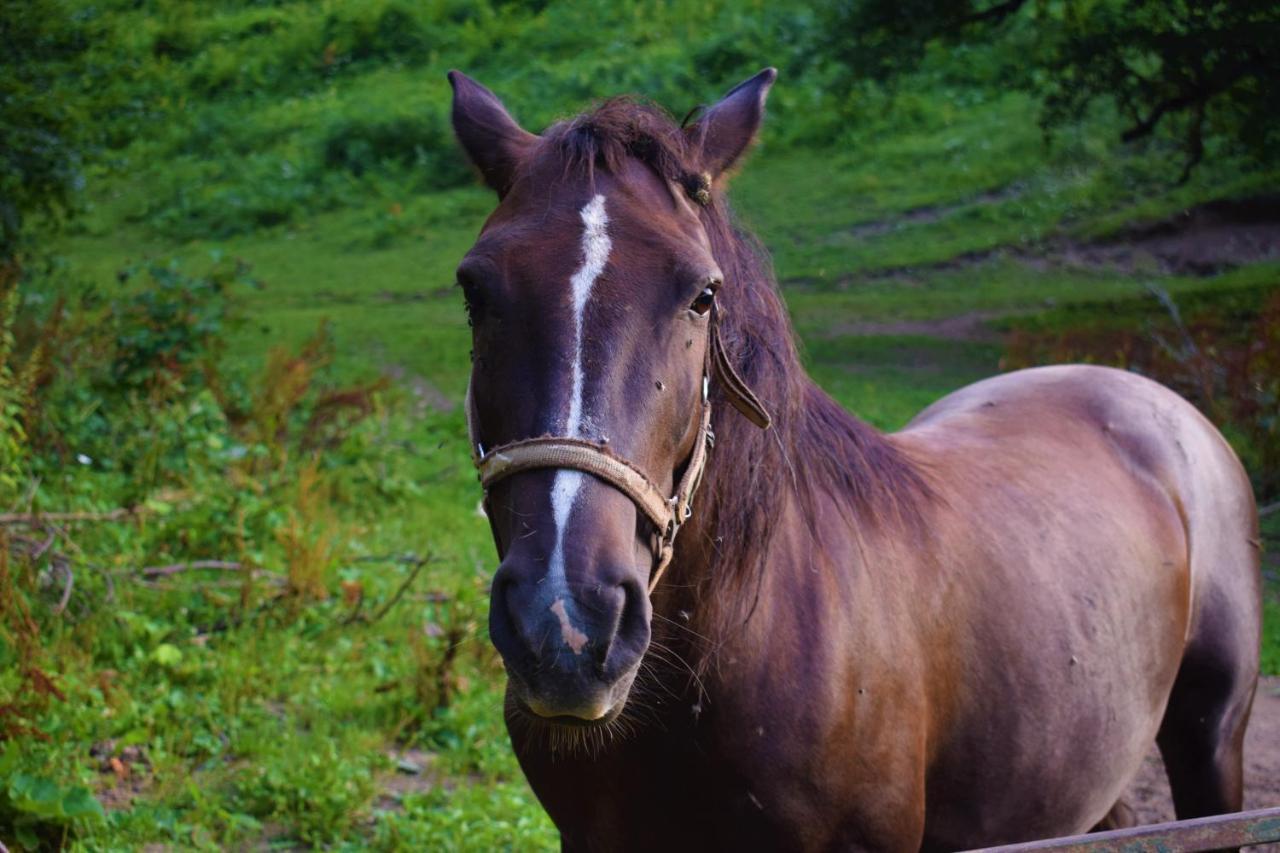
(639, 203)
(544, 249)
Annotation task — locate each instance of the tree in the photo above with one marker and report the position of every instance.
(45, 127)
(1210, 66)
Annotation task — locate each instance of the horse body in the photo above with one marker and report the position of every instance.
(965, 633)
(1000, 681)
(1109, 551)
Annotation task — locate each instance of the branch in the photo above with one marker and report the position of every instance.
(1147, 125)
(38, 519)
(229, 584)
(195, 566)
(1268, 509)
(66, 591)
(417, 563)
(1197, 96)
(996, 13)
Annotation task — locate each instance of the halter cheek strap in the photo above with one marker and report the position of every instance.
(667, 514)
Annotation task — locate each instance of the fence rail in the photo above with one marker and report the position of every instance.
(1183, 836)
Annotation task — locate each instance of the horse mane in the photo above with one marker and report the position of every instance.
(814, 446)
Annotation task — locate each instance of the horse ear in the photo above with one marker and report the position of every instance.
(490, 136)
(729, 127)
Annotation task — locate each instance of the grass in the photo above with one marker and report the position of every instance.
(331, 171)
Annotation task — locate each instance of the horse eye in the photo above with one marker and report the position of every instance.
(702, 304)
(473, 299)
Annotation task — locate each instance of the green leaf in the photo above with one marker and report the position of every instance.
(167, 655)
(36, 795)
(158, 506)
(79, 802)
(9, 759)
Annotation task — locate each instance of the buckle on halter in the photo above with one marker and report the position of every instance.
(669, 535)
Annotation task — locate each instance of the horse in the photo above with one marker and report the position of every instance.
(734, 616)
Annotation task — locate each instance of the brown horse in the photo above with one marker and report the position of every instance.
(964, 633)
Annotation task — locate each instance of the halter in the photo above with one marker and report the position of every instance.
(667, 514)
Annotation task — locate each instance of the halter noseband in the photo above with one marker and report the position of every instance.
(667, 514)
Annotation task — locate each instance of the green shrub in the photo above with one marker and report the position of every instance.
(418, 146)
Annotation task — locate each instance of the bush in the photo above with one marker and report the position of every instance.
(419, 146)
(1221, 350)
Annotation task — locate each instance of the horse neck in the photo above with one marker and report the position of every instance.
(764, 489)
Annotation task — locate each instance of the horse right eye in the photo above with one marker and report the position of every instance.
(703, 303)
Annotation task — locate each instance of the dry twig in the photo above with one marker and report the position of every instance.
(416, 563)
(194, 566)
(42, 519)
(65, 565)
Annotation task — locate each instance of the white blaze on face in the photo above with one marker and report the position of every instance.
(595, 254)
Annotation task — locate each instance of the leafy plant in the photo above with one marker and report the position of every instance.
(41, 812)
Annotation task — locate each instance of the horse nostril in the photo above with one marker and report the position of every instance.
(504, 615)
(631, 631)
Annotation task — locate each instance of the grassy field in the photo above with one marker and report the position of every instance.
(309, 140)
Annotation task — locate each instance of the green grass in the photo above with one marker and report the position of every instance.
(339, 184)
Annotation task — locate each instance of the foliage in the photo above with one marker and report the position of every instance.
(186, 465)
(1206, 65)
(1220, 350)
(15, 393)
(44, 111)
(40, 810)
(1271, 639)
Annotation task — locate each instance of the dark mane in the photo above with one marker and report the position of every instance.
(621, 128)
(814, 445)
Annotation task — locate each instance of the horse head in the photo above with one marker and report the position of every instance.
(591, 292)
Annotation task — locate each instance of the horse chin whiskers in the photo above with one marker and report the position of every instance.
(563, 739)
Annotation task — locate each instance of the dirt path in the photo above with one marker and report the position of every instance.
(1149, 793)
(1203, 240)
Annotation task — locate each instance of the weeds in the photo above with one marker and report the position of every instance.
(311, 538)
(204, 485)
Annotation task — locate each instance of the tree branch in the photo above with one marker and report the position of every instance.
(995, 14)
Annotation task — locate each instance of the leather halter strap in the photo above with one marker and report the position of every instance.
(667, 514)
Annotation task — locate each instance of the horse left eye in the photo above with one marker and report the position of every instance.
(702, 304)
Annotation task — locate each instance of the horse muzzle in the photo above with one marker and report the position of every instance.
(569, 655)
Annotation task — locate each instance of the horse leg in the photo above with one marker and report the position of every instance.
(1202, 735)
(1121, 816)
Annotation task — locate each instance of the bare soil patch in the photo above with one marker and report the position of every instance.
(1203, 240)
(415, 773)
(1149, 793)
(427, 397)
